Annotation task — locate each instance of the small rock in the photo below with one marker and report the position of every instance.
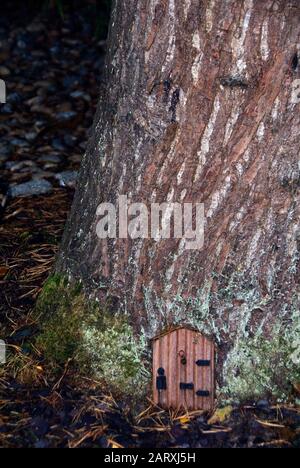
(76, 158)
(6, 109)
(10, 164)
(34, 187)
(4, 71)
(48, 166)
(40, 426)
(183, 446)
(14, 166)
(3, 158)
(58, 145)
(262, 404)
(67, 178)
(21, 44)
(30, 136)
(50, 158)
(42, 175)
(41, 444)
(66, 116)
(14, 98)
(5, 150)
(71, 81)
(70, 140)
(35, 27)
(19, 178)
(19, 142)
(80, 95)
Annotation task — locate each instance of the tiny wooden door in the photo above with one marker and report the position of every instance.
(183, 370)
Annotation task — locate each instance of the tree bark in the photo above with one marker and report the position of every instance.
(200, 104)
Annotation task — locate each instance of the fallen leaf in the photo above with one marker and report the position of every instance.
(220, 415)
(114, 444)
(297, 387)
(184, 420)
(3, 271)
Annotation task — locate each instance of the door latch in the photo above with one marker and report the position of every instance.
(203, 363)
(203, 393)
(186, 386)
(161, 380)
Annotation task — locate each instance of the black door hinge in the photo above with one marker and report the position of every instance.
(161, 380)
(203, 363)
(186, 386)
(203, 393)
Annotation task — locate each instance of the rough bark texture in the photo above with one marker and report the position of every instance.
(200, 103)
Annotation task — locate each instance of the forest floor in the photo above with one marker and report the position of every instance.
(52, 70)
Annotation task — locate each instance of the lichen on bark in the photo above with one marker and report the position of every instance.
(258, 367)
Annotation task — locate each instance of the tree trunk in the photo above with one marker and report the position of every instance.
(200, 104)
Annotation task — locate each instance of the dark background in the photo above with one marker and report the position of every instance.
(95, 12)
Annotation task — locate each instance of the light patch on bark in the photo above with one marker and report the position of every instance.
(169, 275)
(275, 109)
(186, 7)
(136, 258)
(196, 41)
(293, 238)
(205, 142)
(102, 147)
(181, 108)
(180, 173)
(295, 97)
(246, 155)
(147, 56)
(172, 37)
(231, 123)
(153, 196)
(122, 178)
(261, 132)
(238, 218)
(151, 102)
(252, 250)
(169, 157)
(183, 194)
(210, 15)
(218, 197)
(137, 153)
(171, 195)
(238, 49)
(139, 183)
(240, 169)
(271, 275)
(198, 60)
(264, 46)
(153, 4)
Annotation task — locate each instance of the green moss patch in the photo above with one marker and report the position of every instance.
(98, 341)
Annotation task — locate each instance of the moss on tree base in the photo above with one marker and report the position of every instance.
(99, 342)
